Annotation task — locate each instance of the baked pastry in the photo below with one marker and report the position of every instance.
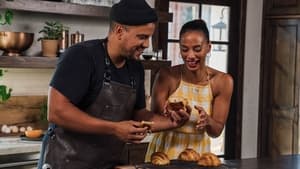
(160, 158)
(209, 160)
(34, 133)
(177, 103)
(189, 155)
(147, 123)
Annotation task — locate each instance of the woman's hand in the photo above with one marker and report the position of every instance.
(203, 118)
(178, 116)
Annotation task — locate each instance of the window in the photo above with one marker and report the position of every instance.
(217, 19)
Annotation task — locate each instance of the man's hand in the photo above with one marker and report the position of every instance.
(130, 131)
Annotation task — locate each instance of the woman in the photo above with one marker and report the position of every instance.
(207, 90)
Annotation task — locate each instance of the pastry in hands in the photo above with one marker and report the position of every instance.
(189, 155)
(209, 160)
(147, 123)
(177, 103)
(160, 158)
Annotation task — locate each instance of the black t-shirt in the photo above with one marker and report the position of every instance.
(80, 72)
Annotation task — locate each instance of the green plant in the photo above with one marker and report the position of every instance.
(52, 30)
(43, 109)
(4, 93)
(7, 17)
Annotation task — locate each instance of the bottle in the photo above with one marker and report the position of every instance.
(64, 43)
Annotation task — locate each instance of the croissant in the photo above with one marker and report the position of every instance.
(189, 155)
(177, 103)
(209, 160)
(159, 158)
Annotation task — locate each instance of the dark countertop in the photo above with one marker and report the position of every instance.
(281, 162)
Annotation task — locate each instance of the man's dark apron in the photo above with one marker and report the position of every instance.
(72, 150)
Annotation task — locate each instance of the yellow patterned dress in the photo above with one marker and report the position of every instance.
(173, 142)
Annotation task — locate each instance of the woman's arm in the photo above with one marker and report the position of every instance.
(222, 88)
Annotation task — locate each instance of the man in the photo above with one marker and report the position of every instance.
(97, 97)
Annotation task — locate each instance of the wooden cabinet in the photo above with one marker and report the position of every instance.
(280, 77)
(280, 8)
(281, 85)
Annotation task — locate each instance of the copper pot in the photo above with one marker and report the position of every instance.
(14, 43)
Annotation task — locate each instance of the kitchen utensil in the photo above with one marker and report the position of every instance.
(64, 43)
(14, 43)
(77, 37)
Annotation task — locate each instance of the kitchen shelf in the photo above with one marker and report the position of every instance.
(27, 62)
(67, 8)
(47, 62)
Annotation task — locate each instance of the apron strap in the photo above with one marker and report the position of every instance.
(107, 71)
(49, 134)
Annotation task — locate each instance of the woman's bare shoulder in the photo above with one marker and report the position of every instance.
(215, 74)
(220, 80)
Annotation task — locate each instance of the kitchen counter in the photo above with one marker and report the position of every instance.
(14, 145)
(281, 162)
(18, 154)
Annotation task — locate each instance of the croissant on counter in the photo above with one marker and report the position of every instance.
(160, 158)
(209, 160)
(189, 155)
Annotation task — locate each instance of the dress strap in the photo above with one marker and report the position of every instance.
(207, 74)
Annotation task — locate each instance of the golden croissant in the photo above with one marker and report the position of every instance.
(209, 160)
(159, 158)
(189, 155)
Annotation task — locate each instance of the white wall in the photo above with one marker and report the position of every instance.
(251, 78)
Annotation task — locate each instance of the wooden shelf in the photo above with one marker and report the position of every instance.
(66, 8)
(27, 62)
(47, 62)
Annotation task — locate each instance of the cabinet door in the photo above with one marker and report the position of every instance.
(282, 7)
(281, 73)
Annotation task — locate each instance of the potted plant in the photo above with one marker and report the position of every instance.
(52, 34)
(4, 93)
(7, 17)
